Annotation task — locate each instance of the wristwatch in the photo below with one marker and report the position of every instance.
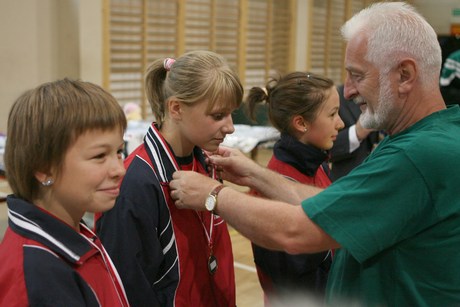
(211, 200)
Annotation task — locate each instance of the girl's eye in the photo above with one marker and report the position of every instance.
(99, 156)
(218, 116)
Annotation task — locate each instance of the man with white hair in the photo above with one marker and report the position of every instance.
(394, 219)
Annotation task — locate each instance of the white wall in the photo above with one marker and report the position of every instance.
(91, 44)
(303, 7)
(438, 13)
(25, 49)
(40, 41)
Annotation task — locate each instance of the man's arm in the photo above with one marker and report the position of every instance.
(271, 224)
(241, 170)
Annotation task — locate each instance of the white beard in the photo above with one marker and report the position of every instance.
(377, 119)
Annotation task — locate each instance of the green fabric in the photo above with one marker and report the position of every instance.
(450, 69)
(241, 116)
(397, 218)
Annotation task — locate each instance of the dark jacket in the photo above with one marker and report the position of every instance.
(281, 274)
(161, 251)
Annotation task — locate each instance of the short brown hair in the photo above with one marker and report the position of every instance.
(44, 122)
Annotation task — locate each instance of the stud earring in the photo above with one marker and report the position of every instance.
(305, 129)
(47, 182)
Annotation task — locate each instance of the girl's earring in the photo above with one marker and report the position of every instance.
(305, 129)
(48, 182)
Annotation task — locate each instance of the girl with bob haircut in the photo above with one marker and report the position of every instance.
(63, 158)
(169, 257)
(304, 108)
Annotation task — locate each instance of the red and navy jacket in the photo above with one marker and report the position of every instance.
(45, 262)
(162, 252)
(281, 274)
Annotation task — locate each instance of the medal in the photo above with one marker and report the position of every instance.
(212, 260)
(212, 264)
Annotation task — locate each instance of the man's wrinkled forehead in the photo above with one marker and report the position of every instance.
(356, 51)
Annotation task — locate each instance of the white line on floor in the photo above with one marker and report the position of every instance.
(244, 267)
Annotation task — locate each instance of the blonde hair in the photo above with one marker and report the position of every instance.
(44, 122)
(194, 77)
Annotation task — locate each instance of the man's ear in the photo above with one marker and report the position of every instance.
(174, 108)
(408, 73)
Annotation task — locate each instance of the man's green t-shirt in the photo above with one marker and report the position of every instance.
(397, 218)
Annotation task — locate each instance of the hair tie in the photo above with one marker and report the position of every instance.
(167, 63)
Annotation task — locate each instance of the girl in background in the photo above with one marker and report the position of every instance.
(166, 256)
(63, 158)
(304, 108)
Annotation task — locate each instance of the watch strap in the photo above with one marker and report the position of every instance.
(216, 190)
(214, 194)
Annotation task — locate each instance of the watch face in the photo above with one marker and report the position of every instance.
(210, 203)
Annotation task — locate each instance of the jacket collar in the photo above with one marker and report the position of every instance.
(162, 155)
(305, 158)
(36, 224)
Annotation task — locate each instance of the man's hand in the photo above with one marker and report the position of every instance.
(234, 166)
(189, 189)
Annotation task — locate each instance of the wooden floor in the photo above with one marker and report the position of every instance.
(248, 290)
